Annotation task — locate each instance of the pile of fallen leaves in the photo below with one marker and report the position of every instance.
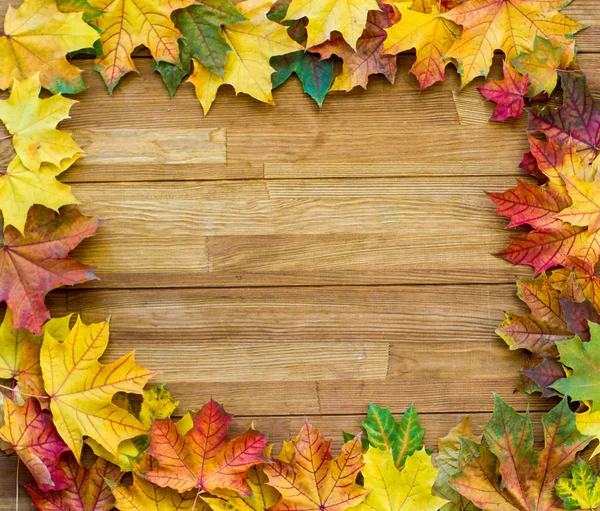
(58, 397)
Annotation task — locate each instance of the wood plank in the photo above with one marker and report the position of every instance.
(278, 429)
(452, 377)
(296, 232)
(390, 314)
(149, 145)
(178, 332)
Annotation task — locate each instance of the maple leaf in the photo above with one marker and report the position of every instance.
(157, 403)
(88, 488)
(585, 195)
(200, 25)
(583, 382)
(20, 189)
(247, 66)
(588, 423)
(530, 165)
(391, 489)
(537, 332)
(82, 6)
(126, 24)
(315, 74)
(506, 473)
(32, 123)
(36, 39)
(583, 274)
(32, 436)
(142, 495)
(309, 478)
(263, 496)
(581, 490)
(430, 34)
(348, 17)
(203, 457)
(544, 250)
(449, 463)
(507, 25)
(20, 353)
(38, 261)
(530, 204)
(577, 120)
(507, 93)
(543, 64)
(403, 438)
(367, 59)
(81, 389)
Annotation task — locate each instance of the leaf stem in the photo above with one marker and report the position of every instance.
(23, 393)
(196, 499)
(5, 138)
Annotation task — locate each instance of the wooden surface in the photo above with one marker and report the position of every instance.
(294, 262)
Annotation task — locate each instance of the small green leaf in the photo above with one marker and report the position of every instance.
(581, 490)
(403, 438)
(315, 74)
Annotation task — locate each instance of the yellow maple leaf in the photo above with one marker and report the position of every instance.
(32, 123)
(585, 195)
(247, 66)
(588, 423)
(395, 490)
(81, 389)
(158, 403)
(20, 188)
(348, 17)
(12, 342)
(126, 24)
(507, 25)
(142, 495)
(36, 39)
(430, 34)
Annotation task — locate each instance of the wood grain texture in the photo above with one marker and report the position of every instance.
(297, 261)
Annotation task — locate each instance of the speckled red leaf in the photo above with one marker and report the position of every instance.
(578, 118)
(531, 204)
(508, 94)
(536, 332)
(33, 437)
(33, 264)
(506, 473)
(204, 457)
(87, 490)
(310, 479)
(367, 60)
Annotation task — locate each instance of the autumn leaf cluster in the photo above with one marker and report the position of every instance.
(59, 399)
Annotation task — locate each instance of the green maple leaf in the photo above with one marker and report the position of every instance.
(316, 75)
(384, 432)
(202, 39)
(584, 360)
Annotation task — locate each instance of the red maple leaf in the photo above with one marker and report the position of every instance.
(38, 261)
(508, 93)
